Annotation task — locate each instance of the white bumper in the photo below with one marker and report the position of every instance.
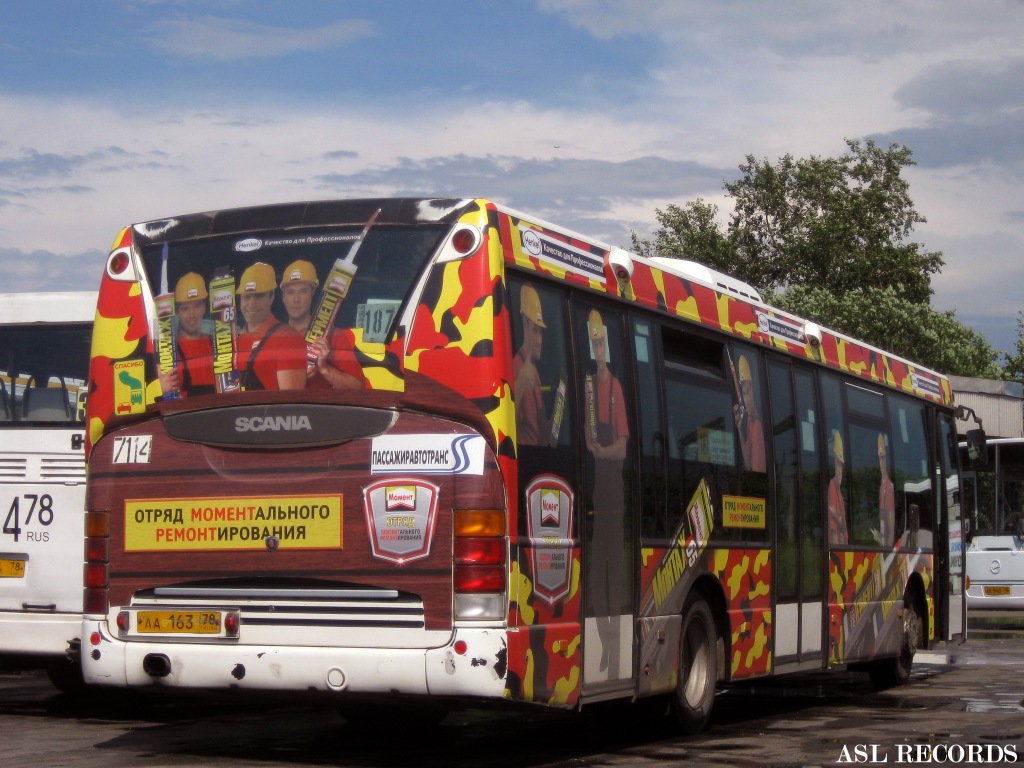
(479, 671)
(38, 634)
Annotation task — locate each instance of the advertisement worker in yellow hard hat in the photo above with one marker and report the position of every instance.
(271, 354)
(607, 436)
(336, 367)
(531, 418)
(193, 374)
(748, 420)
(838, 532)
(886, 534)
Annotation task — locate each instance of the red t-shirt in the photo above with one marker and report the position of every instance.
(285, 350)
(611, 409)
(342, 357)
(529, 408)
(195, 369)
(837, 531)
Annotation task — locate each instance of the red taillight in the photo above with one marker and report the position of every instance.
(479, 551)
(97, 554)
(97, 550)
(231, 624)
(480, 578)
(119, 261)
(95, 576)
(465, 240)
(96, 602)
(473, 551)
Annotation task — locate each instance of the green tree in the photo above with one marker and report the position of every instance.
(691, 232)
(829, 239)
(841, 223)
(1013, 370)
(880, 316)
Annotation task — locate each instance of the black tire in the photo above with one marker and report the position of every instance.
(889, 673)
(698, 668)
(66, 676)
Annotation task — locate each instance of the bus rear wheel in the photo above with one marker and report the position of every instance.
(66, 676)
(888, 673)
(698, 665)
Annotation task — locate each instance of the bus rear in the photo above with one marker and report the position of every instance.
(44, 363)
(994, 492)
(346, 534)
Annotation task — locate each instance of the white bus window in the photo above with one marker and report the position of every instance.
(43, 370)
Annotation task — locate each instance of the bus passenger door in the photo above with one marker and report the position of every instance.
(608, 536)
(949, 486)
(800, 567)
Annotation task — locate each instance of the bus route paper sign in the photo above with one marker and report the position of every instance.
(744, 512)
(264, 522)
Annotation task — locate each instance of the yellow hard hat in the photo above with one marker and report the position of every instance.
(595, 325)
(190, 288)
(837, 446)
(529, 305)
(744, 369)
(300, 271)
(258, 278)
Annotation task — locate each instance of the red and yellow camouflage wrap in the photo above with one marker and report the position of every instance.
(658, 289)
(864, 590)
(456, 337)
(121, 333)
(746, 577)
(459, 337)
(545, 661)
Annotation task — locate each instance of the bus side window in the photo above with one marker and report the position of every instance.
(837, 494)
(872, 499)
(650, 439)
(811, 460)
(745, 372)
(787, 481)
(608, 439)
(5, 403)
(915, 506)
(541, 387)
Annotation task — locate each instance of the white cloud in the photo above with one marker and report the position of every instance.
(86, 169)
(228, 39)
(708, 84)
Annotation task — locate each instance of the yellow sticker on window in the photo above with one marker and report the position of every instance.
(744, 512)
(263, 522)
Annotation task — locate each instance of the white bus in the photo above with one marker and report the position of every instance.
(44, 368)
(994, 489)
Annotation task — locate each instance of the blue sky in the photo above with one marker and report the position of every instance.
(589, 113)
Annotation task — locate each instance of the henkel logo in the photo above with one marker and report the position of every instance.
(399, 497)
(531, 242)
(249, 244)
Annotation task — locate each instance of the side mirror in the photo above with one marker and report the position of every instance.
(977, 450)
